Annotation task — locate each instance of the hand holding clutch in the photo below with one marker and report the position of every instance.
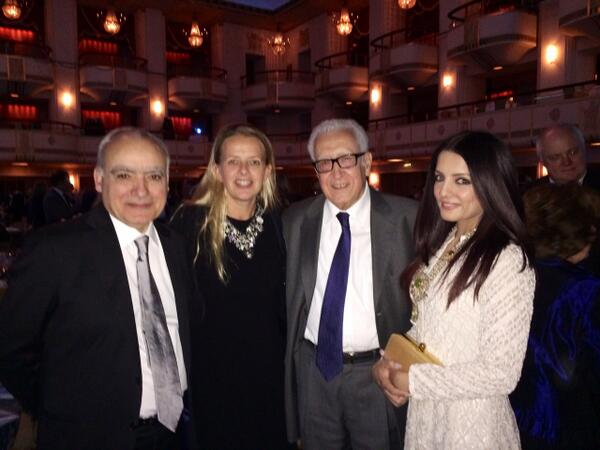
(406, 352)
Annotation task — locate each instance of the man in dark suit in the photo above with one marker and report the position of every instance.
(57, 203)
(93, 326)
(346, 251)
(562, 150)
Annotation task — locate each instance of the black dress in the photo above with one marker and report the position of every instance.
(557, 400)
(238, 346)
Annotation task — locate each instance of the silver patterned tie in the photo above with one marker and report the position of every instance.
(167, 386)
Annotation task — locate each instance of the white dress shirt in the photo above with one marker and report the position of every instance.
(360, 328)
(158, 266)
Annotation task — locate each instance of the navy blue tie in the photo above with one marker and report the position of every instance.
(330, 357)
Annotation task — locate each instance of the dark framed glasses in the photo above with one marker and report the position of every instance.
(344, 161)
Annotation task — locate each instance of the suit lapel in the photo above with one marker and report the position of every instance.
(309, 247)
(109, 262)
(381, 230)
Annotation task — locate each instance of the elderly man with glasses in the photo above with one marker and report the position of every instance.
(346, 251)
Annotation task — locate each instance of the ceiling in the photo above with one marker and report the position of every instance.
(265, 14)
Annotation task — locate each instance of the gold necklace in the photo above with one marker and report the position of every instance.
(421, 281)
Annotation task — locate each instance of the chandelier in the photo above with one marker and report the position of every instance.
(112, 21)
(406, 4)
(11, 9)
(278, 43)
(195, 36)
(344, 23)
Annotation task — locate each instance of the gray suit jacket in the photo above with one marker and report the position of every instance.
(392, 220)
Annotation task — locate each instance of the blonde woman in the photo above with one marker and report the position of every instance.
(238, 254)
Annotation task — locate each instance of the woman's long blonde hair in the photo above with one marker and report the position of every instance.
(211, 193)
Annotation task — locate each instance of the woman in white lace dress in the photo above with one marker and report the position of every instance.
(472, 290)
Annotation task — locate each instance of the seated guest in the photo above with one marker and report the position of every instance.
(557, 401)
(562, 150)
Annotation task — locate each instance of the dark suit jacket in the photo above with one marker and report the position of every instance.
(68, 344)
(392, 220)
(591, 180)
(56, 208)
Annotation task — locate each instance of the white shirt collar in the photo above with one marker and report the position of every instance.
(126, 234)
(357, 210)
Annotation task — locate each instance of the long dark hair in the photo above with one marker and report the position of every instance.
(494, 179)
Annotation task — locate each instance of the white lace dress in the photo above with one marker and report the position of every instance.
(464, 404)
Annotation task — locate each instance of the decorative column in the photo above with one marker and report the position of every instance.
(151, 44)
(61, 37)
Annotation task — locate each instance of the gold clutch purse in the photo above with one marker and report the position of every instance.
(405, 351)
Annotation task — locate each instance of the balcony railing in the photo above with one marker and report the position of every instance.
(185, 70)
(46, 125)
(476, 8)
(277, 76)
(25, 49)
(501, 102)
(402, 36)
(112, 61)
(343, 59)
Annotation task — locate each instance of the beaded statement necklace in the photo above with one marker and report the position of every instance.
(422, 280)
(245, 241)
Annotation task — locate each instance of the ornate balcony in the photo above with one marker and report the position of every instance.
(492, 32)
(278, 89)
(579, 17)
(515, 119)
(100, 75)
(189, 85)
(28, 66)
(409, 59)
(343, 75)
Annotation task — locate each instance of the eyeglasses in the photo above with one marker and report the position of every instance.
(344, 161)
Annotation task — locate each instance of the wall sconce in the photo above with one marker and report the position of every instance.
(374, 180)
(157, 107)
(447, 80)
(74, 180)
(375, 95)
(551, 53)
(541, 170)
(66, 99)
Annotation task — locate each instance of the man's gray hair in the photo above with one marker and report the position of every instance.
(129, 132)
(334, 125)
(573, 130)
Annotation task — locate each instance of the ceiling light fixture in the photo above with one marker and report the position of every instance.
(344, 23)
(112, 21)
(406, 4)
(11, 9)
(278, 43)
(196, 36)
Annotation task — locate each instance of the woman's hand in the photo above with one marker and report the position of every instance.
(386, 373)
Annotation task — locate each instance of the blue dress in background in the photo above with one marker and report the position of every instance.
(557, 400)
